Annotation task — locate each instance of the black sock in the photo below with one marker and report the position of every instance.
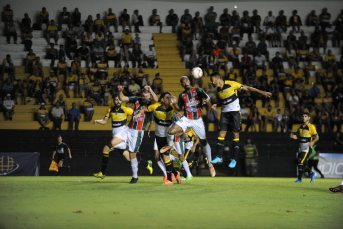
(220, 146)
(174, 170)
(59, 170)
(235, 148)
(308, 170)
(143, 163)
(184, 173)
(300, 173)
(105, 159)
(169, 167)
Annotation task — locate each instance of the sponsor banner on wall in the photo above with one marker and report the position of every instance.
(331, 165)
(19, 164)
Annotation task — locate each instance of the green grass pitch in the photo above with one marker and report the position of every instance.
(204, 202)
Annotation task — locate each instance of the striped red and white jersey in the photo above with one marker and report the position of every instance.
(142, 121)
(192, 102)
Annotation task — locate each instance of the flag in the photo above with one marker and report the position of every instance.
(53, 166)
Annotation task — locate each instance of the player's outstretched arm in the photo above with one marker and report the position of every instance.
(154, 96)
(122, 97)
(101, 121)
(174, 102)
(264, 93)
(293, 136)
(139, 114)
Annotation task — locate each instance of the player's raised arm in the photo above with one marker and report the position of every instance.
(154, 96)
(264, 93)
(174, 102)
(122, 97)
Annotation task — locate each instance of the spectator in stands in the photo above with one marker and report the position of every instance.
(339, 33)
(31, 80)
(307, 101)
(38, 65)
(250, 47)
(114, 81)
(82, 84)
(136, 20)
(318, 39)
(296, 117)
(97, 52)
(11, 31)
(19, 91)
(137, 40)
(74, 116)
(246, 25)
(146, 81)
(88, 106)
(52, 54)
(155, 20)
(139, 76)
(210, 63)
(278, 121)
(303, 40)
(124, 56)
(337, 120)
(111, 54)
(291, 56)
(315, 55)
(235, 35)
(293, 100)
(222, 62)
(111, 19)
(27, 38)
(124, 20)
(324, 118)
(6, 65)
(303, 54)
(328, 78)
(310, 71)
(99, 24)
(212, 117)
(256, 118)
(102, 65)
(292, 40)
(30, 58)
(7, 88)
(71, 47)
(109, 40)
(256, 21)
(99, 38)
(235, 18)
(313, 19)
(61, 52)
(206, 46)
(172, 20)
(286, 120)
(186, 30)
(250, 77)
(281, 21)
(136, 56)
(64, 17)
(83, 53)
(150, 57)
(211, 15)
(89, 24)
(126, 39)
(78, 30)
(245, 117)
(134, 89)
(71, 82)
(8, 107)
(277, 63)
(47, 91)
(75, 66)
(269, 19)
(245, 63)
(62, 68)
(52, 32)
(268, 34)
(225, 18)
(318, 103)
(63, 105)
(43, 117)
(43, 18)
(186, 15)
(278, 36)
(157, 84)
(234, 56)
(57, 116)
(76, 16)
(268, 118)
(324, 19)
(7, 15)
(330, 61)
(95, 92)
(259, 62)
(262, 47)
(295, 21)
(88, 40)
(197, 25)
(224, 37)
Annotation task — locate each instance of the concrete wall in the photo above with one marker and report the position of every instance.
(92, 7)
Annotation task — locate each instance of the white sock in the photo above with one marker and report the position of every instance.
(341, 183)
(207, 150)
(162, 167)
(170, 139)
(134, 167)
(172, 157)
(186, 167)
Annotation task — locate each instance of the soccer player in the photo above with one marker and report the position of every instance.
(118, 114)
(230, 118)
(307, 134)
(339, 188)
(164, 116)
(191, 100)
(61, 148)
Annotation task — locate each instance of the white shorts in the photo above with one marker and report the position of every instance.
(197, 125)
(179, 145)
(133, 138)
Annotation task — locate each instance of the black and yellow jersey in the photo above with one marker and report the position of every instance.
(42, 112)
(228, 96)
(118, 116)
(163, 118)
(305, 134)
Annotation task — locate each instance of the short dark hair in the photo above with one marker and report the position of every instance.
(216, 74)
(163, 94)
(115, 95)
(306, 113)
(183, 77)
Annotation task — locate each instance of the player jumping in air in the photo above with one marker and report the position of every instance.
(191, 100)
(307, 134)
(118, 114)
(230, 119)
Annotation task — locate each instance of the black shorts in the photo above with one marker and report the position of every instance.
(61, 157)
(303, 157)
(161, 142)
(230, 121)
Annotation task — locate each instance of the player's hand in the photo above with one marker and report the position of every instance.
(95, 122)
(70, 156)
(310, 144)
(193, 149)
(135, 117)
(293, 136)
(149, 133)
(173, 99)
(147, 88)
(267, 94)
(214, 107)
(205, 101)
(120, 88)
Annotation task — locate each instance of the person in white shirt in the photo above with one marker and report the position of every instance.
(269, 19)
(268, 34)
(8, 105)
(293, 100)
(135, 21)
(278, 121)
(57, 116)
(150, 57)
(245, 117)
(260, 62)
(137, 40)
